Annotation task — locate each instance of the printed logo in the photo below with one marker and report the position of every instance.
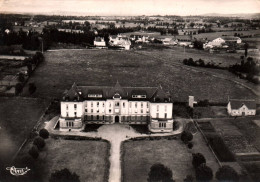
(18, 171)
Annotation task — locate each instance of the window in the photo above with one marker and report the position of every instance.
(141, 118)
(142, 110)
(157, 115)
(75, 113)
(141, 104)
(157, 107)
(91, 104)
(147, 104)
(67, 114)
(86, 110)
(165, 108)
(135, 104)
(162, 125)
(91, 110)
(109, 104)
(91, 117)
(75, 106)
(103, 104)
(123, 104)
(97, 110)
(165, 115)
(97, 104)
(67, 107)
(109, 110)
(97, 117)
(116, 103)
(130, 104)
(103, 117)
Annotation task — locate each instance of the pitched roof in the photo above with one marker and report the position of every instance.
(236, 103)
(153, 94)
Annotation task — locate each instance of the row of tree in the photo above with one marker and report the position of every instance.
(201, 63)
(247, 69)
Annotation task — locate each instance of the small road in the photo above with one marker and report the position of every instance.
(115, 134)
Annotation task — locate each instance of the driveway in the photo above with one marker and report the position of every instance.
(115, 134)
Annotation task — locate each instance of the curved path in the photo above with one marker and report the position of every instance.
(115, 134)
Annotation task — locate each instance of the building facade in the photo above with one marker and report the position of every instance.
(237, 107)
(83, 105)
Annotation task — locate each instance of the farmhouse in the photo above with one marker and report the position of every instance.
(237, 107)
(99, 42)
(83, 105)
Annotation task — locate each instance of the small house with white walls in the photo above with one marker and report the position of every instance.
(238, 107)
(84, 105)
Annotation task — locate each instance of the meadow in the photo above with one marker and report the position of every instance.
(17, 118)
(88, 159)
(131, 68)
(139, 156)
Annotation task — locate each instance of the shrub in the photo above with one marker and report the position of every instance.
(189, 178)
(198, 159)
(203, 173)
(190, 145)
(64, 175)
(32, 88)
(159, 172)
(227, 173)
(44, 133)
(34, 152)
(39, 142)
(18, 88)
(186, 136)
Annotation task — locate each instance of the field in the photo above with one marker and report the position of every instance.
(240, 134)
(139, 156)
(17, 118)
(88, 159)
(131, 68)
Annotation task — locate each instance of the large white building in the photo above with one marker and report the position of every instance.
(83, 105)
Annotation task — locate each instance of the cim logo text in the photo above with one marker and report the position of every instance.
(18, 171)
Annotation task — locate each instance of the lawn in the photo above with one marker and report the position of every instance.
(17, 118)
(139, 156)
(88, 159)
(131, 68)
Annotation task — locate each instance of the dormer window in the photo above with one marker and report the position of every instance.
(117, 96)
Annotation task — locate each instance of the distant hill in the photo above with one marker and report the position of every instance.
(242, 15)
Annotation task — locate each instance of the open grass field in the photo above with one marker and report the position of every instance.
(88, 159)
(139, 156)
(131, 68)
(17, 118)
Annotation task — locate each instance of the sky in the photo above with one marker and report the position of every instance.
(130, 7)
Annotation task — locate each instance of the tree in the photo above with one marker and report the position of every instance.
(21, 77)
(186, 136)
(204, 173)
(159, 173)
(18, 88)
(34, 152)
(44, 133)
(64, 175)
(227, 173)
(32, 88)
(190, 145)
(39, 142)
(198, 159)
